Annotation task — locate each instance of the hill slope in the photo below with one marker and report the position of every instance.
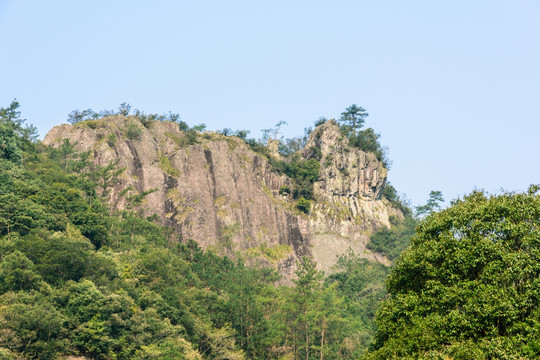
(215, 190)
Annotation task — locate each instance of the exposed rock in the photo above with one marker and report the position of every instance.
(349, 191)
(345, 171)
(218, 192)
(273, 149)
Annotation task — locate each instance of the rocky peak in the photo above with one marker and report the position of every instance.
(349, 202)
(345, 171)
(215, 190)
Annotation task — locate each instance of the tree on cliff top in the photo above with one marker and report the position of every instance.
(354, 116)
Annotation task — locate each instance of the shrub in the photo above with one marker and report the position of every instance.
(284, 190)
(133, 132)
(111, 140)
(303, 205)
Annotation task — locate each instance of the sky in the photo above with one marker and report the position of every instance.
(452, 87)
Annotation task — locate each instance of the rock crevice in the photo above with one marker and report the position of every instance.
(221, 194)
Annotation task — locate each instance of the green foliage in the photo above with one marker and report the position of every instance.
(314, 153)
(166, 166)
(199, 128)
(351, 121)
(272, 253)
(32, 325)
(468, 287)
(183, 126)
(289, 147)
(9, 147)
(392, 241)
(111, 140)
(361, 283)
(284, 190)
(303, 172)
(353, 118)
(124, 109)
(390, 193)
(17, 272)
(304, 205)
(367, 140)
(320, 121)
(273, 133)
(133, 132)
(77, 116)
(242, 134)
(433, 204)
(79, 278)
(14, 136)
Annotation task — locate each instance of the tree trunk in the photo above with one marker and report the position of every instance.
(322, 338)
(307, 335)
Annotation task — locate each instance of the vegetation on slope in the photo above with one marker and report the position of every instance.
(469, 286)
(80, 278)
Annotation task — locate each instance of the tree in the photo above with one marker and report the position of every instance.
(433, 204)
(77, 116)
(354, 117)
(242, 134)
(469, 286)
(17, 272)
(321, 120)
(199, 127)
(273, 133)
(124, 109)
(304, 306)
(14, 137)
(174, 117)
(392, 241)
(9, 147)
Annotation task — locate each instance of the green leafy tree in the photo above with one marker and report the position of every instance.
(14, 136)
(17, 272)
(392, 241)
(468, 287)
(308, 287)
(199, 128)
(433, 204)
(361, 283)
(273, 133)
(124, 109)
(34, 328)
(9, 146)
(354, 117)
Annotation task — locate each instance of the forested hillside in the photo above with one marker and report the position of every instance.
(79, 277)
(271, 201)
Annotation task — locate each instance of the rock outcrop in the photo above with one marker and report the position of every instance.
(349, 204)
(213, 189)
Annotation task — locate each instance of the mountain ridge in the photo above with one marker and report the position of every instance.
(215, 190)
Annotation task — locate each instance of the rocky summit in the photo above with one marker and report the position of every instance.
(215, 190)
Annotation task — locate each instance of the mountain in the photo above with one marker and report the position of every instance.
(216, 190)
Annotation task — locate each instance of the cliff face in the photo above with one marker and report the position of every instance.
(349, 203)
(215, 190)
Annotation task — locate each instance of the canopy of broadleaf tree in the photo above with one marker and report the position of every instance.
(469, 285)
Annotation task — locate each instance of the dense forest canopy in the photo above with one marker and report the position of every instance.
(78, 277)
(469, 285)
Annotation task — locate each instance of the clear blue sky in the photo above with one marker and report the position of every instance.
(453, 87)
